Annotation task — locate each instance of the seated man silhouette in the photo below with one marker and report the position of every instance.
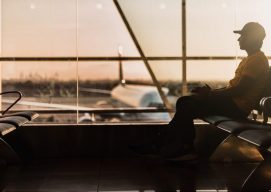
(236, 100)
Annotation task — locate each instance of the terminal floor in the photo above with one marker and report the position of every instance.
(122, 174)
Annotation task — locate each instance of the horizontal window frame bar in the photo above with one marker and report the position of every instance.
(85, 58)
(12, 59)
(98, 110)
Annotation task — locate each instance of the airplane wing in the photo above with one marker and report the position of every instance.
(47, 105)
(91, 90)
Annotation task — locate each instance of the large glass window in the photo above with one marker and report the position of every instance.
(156, 24)
(44, 88)
(38, 31)
(94, 61)
(75, 59)
(36, 28)
(101, 30)
(210, 26)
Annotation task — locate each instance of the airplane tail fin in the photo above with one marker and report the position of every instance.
(121, 78)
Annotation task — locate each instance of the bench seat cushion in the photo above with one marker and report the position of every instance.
(261, 138)
(215, 119)
(14, 120)
(5, 128)
(30, 115)
(235, 127)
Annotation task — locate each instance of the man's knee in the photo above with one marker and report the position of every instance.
(184, 101)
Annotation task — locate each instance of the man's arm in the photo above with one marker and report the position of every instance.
(243, 85)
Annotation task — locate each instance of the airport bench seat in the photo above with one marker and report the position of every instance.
(19, 118)
(30, 115)
(6, 128)
(8, 123)
(7, 153)
(14, 120)
(260, 138)
(238, 126)
(256, 134)
(215, 119)
(253, 132)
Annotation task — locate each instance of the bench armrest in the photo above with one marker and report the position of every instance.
(265, 105)
(16, 101)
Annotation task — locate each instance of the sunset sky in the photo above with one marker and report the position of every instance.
(38, 28)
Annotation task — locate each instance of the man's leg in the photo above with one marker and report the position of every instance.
(189, 107)
(181, 130)
(182, 122)
(178, 138)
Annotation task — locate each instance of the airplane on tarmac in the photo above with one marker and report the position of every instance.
(129, 95)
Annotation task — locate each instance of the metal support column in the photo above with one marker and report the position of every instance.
(157, 84)
(1, 53)
(184, 80)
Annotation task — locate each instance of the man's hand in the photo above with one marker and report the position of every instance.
(240, 89)
(202, 91)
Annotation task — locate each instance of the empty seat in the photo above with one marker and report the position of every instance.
(14, 120)
(216, 119)
(235, 127)
(5, 128)
(30, 115)
(261, 138)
